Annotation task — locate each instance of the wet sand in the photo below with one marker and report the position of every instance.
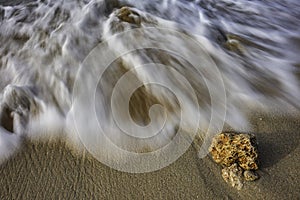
(51, 171)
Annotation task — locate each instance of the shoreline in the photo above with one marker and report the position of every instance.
(47, 170)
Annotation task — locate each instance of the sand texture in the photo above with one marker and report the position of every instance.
(51, 171)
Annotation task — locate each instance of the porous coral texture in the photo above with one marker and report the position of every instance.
(237, 153)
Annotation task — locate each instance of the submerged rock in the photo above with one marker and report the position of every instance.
(235, 46)
(237, 153)
(128, 15)
(233, 43)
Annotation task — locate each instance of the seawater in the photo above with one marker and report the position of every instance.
(189, 66)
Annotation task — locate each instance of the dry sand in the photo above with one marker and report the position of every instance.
(52, 171)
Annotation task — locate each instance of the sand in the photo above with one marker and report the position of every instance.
(51, 171)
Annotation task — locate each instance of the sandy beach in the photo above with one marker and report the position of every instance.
(57, 55)
(51, 171)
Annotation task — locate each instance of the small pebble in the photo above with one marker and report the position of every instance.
(233, 176)
(250, 175)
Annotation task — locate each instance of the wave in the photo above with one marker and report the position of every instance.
(145, 71)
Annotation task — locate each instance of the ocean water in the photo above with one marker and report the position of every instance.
(125, 78)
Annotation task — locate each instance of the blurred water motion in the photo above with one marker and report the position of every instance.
(254, 46)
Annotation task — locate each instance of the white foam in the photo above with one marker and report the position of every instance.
(44, 44)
